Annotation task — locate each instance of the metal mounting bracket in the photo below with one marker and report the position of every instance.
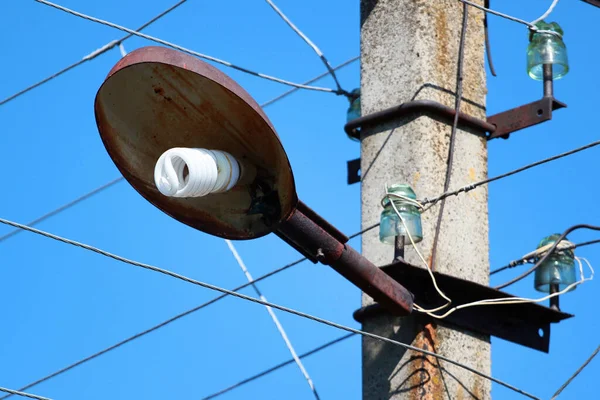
(522, 117)
(353, 171)
(427, 107)
(526, 324)
(499, 125)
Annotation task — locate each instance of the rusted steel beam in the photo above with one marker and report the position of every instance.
(417, 107)
(313, 237)
(499, 125)
(522, 117)
(518, 323)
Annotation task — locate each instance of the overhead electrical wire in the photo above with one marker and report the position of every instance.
(264, 303)
(528, 259)
(188, 51)
(154, 328)
(119, 42)
(585, 363)
(64, 207)
(450, 158)
(273, 316)
(546, 14)
(486, 9)
(472, 186)
(530, 25)
(23, 394)
(311, 44)
(488, 47)
(545, 257)
(108, 46)
(172, 319)
(276, 367)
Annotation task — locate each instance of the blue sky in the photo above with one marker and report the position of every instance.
(62, 303)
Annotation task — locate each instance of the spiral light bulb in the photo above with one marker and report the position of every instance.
(208, 171)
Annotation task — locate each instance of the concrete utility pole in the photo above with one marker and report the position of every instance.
(409, 51)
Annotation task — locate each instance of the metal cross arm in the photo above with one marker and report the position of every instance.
(157, 103)
(416, 108)
(527, 324)
(499, 125)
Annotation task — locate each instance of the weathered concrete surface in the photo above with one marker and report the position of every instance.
(409, 51)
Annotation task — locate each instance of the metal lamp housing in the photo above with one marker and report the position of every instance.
(155, 99)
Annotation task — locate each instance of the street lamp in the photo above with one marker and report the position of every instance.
(167, 118)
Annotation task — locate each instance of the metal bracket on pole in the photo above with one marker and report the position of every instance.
(527, 324)
(416, 107)
(522, 117)
(499, 125)
(354, 171)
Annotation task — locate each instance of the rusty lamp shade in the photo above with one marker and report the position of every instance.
(155, 99)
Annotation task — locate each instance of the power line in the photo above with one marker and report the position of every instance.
(188, 51)
(530, 25)
(120, 179)
(276, 367)
(18, 393)
(472, 186)
(64, 207)
(316, 78)
(311, 44)
(526, 260)
(92, 55)
(488, 48)
(564, 385)
(170, 320)
(545, 14)
(278, 325)
(154, 328)
(457, 102)
(497, 13)
(547, 254)
(264, 303)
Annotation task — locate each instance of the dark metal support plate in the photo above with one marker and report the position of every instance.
(522, 117)
(525, 324)
(353, 171)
